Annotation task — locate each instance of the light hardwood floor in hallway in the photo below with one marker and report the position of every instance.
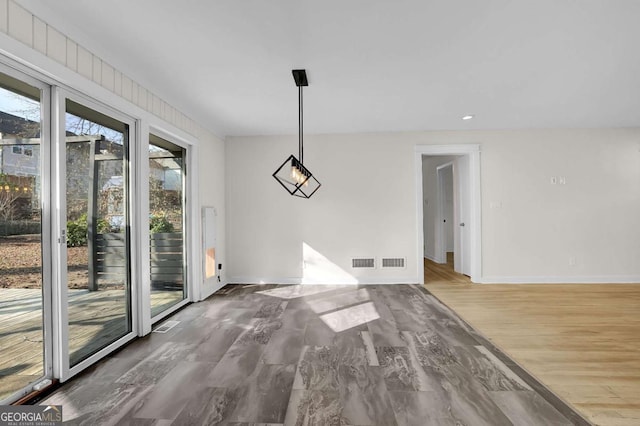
(582, 341)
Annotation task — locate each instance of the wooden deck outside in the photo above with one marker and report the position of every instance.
(95, 319)
(580, 340)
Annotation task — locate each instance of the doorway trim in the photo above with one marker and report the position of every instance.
(472, 151)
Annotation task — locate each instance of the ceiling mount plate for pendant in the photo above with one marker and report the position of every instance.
(300, 76)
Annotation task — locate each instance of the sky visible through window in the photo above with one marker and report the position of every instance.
(28, 109)
(18, 105)
(82, 126)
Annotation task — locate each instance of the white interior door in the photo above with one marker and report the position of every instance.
(463, 220)
(446, 209)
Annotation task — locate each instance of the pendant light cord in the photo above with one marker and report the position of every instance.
(300, 126)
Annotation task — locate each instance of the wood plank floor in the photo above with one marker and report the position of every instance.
(95, 319)
(582, 341)
(310, 355)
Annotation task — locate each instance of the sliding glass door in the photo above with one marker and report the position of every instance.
(97, 204)
(166, 224)
(73, 231)
(24, 277)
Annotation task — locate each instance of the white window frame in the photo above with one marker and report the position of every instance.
(46, 242)
(191, 239)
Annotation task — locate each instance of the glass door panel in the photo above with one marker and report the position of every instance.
(166, 206)
(97, 212)
(22, 339)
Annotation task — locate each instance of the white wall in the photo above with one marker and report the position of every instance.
(211, 189)
(535, 228)
(358, 211)
(531, 230)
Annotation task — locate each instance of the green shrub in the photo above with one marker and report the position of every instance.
(104, 227)
(77, 230)
(76, 233)
(158, 224)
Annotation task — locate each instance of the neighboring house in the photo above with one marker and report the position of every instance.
(166, 170)
(172, 180)
(20, 143)
(19, 160)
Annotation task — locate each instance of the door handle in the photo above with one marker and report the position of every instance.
(462, 224)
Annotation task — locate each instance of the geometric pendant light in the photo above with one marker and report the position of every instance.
(292, 174)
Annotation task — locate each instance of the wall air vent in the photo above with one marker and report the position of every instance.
(393, 262)
(369, 263)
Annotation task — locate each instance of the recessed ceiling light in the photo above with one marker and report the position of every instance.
(468, 117)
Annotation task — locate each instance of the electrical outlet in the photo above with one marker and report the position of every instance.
(554, 180)
(572, 261)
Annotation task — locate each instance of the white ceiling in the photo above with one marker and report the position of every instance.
(373, 65)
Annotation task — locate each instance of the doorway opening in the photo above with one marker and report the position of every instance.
(448, 207)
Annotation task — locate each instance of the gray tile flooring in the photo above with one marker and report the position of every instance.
(311, 355)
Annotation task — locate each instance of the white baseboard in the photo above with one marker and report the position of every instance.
(431, 258)
(264, 280)
(593, 279)
(298, 280)
(435, 259)
(209, 291)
